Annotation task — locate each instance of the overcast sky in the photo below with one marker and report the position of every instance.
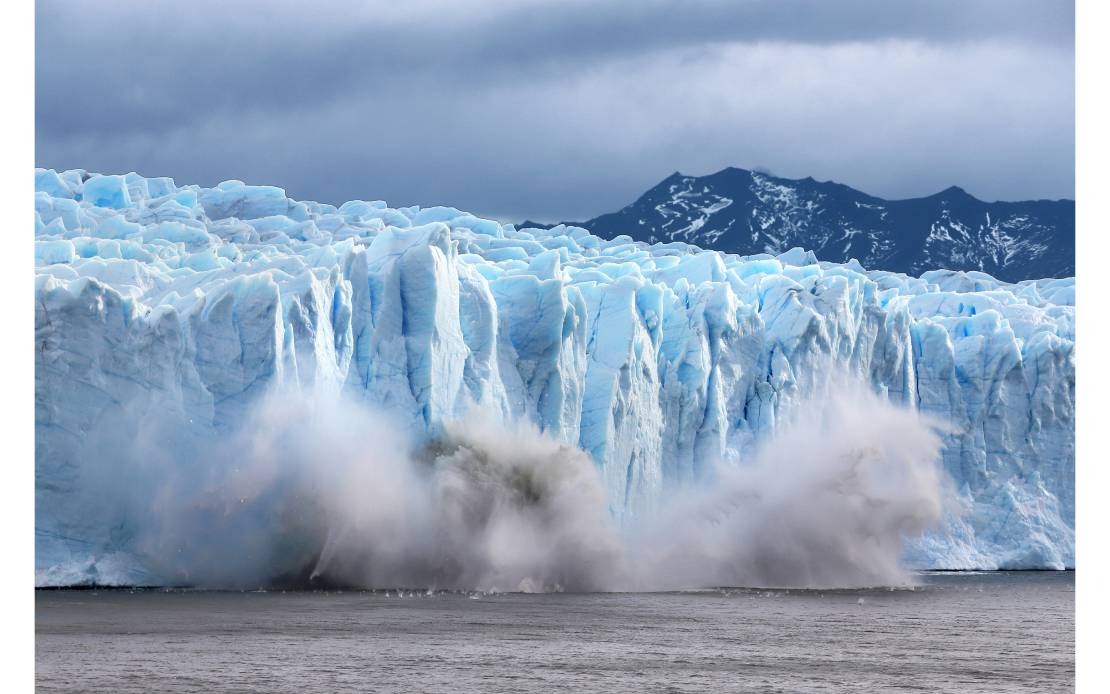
(560, 109)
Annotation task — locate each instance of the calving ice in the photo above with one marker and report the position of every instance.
(167, 317)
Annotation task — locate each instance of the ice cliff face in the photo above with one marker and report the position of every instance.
(188, 303)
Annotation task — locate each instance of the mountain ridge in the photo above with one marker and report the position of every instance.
(749, 212)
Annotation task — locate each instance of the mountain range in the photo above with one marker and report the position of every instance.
(749, 212)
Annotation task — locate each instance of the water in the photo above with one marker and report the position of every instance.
(989, 632)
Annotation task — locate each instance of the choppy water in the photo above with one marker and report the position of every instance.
(993, 632)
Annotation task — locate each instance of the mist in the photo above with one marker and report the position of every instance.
(314, 490)
(827, 502)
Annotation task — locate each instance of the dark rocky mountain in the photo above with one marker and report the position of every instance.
(747, 212)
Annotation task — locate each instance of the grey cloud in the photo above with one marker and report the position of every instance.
(560, 110)
(151, 66)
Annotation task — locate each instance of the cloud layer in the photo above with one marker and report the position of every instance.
(560, 110)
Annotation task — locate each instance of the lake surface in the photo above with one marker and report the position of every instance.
(987, 632)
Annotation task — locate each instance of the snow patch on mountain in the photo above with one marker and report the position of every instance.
(767, 214)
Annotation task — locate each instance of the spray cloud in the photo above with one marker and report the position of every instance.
(314, 490)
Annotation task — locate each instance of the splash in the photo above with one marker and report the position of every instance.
(829, 501)
(314, 490)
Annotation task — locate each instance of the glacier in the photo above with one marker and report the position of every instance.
(161, 306)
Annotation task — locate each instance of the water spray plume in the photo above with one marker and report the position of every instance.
(315, 490)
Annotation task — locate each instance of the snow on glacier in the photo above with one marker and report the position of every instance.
(155, 300)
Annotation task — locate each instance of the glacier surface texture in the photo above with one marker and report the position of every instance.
(159, 302)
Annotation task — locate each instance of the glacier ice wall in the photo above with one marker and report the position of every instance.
(158, 303)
